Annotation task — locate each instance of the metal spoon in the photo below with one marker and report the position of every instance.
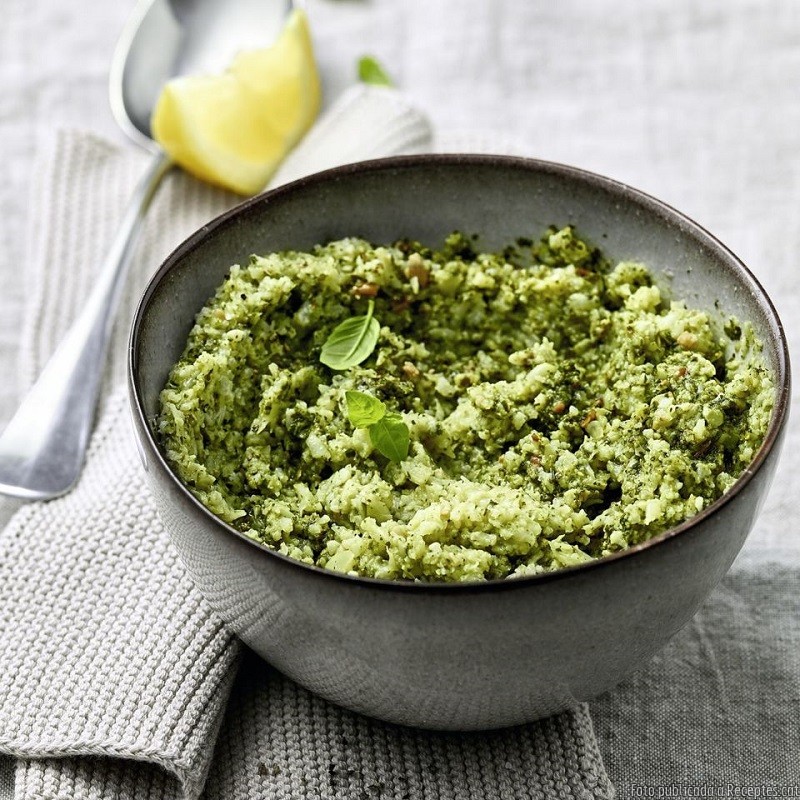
(43, 447)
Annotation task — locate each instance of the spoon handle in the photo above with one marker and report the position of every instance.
(43, 447)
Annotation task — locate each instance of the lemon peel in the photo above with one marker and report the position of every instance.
(234, 129)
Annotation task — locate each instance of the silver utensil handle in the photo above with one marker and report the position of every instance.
(43, 447)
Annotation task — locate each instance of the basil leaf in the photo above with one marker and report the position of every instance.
(370, 71)
(389, 435)
(351, 341)
(363, 409)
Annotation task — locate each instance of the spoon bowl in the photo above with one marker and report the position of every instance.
(43, 448)
(167, 38)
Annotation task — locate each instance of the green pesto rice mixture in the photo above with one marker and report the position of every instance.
(558, 407)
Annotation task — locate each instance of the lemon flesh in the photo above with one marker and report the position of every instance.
(234, 129)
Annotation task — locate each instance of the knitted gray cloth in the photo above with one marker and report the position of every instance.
(116, 679)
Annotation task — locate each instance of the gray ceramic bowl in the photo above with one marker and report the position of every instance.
(464, 656)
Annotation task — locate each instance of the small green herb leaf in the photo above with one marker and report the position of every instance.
(389, 435)
(351, 341)
(363, 409)
(370, 71)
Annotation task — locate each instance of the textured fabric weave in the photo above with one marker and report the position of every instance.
(695, 102)
(365, 122)
(114, 674)
(718, 708)
(335, 754)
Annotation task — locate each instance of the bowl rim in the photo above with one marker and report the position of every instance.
(651, 204)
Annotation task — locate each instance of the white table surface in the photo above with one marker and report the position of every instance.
(697, 103)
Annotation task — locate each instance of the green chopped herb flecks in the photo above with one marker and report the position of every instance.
(513, 413)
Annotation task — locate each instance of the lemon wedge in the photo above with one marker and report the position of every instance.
(234, 129)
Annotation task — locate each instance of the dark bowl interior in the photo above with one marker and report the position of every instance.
(420, 654)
